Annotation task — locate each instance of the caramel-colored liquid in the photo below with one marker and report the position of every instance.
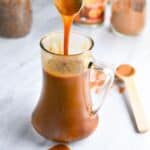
(64, 110)
(67, 27)
(68, 10)
(60, 147)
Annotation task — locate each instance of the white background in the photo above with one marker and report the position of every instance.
(20, 85)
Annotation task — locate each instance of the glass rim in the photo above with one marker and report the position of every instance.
(60, 32)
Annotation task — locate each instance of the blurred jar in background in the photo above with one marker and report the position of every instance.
(15, 18)
(92, 13)
(109, 1)
(128, 16)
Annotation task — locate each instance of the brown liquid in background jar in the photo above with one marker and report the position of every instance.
(92, 13)
(15, 18)
(64, 110)
(128, 16)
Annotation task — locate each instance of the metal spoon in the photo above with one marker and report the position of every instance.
(126, 73)
(68, 7)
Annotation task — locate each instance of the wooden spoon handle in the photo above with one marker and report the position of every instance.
(136, 106)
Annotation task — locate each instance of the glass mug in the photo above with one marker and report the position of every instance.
(65, 111)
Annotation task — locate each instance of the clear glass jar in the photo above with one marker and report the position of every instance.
(128, 16)
(92, 13)
(15, 17)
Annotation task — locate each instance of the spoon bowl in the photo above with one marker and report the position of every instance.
(125, 71)
(68, 7)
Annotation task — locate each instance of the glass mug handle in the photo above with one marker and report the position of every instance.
(100, 83)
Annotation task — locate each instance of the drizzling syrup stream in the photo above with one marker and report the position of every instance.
(68, 10)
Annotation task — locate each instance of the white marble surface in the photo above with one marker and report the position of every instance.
(20, 84)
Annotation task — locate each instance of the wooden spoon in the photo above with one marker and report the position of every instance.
(126, 73)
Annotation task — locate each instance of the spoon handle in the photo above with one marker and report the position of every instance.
(136, 106)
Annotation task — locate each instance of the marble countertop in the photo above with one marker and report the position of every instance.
(20, 85)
